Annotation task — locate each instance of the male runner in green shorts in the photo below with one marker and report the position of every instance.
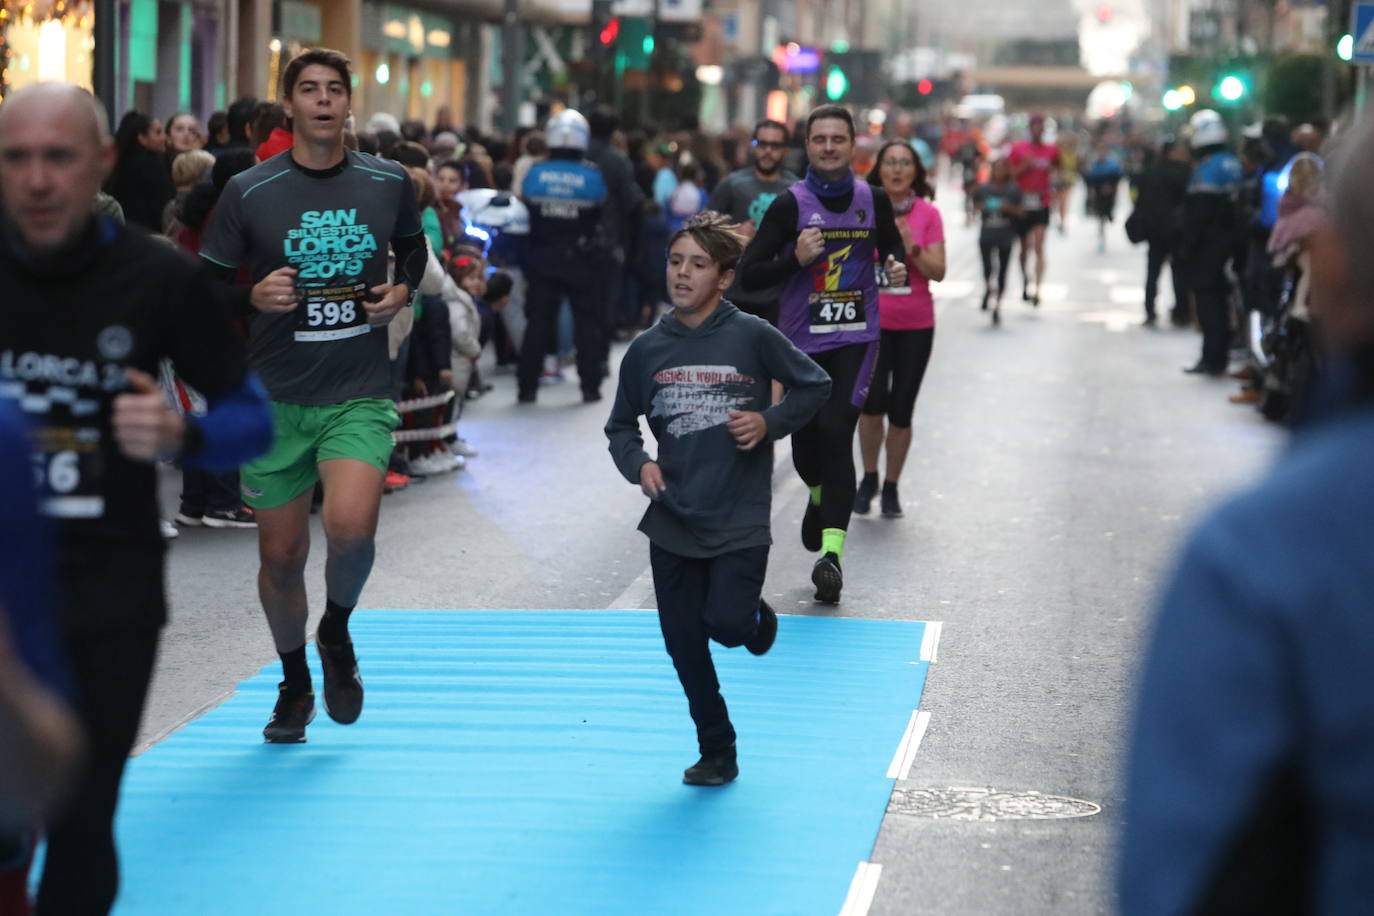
(313, 225)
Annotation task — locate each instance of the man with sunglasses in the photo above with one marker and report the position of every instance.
(745, 196)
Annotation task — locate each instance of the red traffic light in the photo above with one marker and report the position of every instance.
(925, 87)
(611, 31)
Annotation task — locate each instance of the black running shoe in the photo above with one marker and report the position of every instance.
(828, 579)
(987, 297)
(343, 686)
(811, 527)
(891, 504)
(767, 633)
(863, 496)
(997, 316)
(293, 712)
(712, 769)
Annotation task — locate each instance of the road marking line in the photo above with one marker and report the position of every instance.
(930, 641)
(861, 889)
(900, 768)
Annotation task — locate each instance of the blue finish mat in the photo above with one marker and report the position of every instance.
(530, 762)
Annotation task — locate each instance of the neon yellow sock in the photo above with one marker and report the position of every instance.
(815, 496)
(832, 541)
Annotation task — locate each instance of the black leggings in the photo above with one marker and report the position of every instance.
(902, 360)
(823, 449)
(81, 871)
(1002, 248)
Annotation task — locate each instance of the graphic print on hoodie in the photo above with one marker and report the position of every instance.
(696, 398)
(687, 382)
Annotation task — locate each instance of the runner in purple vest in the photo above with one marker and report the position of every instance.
(820, 243)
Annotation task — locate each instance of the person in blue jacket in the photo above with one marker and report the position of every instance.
(39, 737)
(1249, 786)
(566, 253)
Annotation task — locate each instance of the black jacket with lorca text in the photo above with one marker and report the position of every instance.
(71, 323)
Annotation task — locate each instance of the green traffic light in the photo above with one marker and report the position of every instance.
(836, 84)
(1231, 89)
(648, 44)
(1345, 48)
(1172, 100)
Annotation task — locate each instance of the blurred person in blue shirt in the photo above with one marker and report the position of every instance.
(1249, 787)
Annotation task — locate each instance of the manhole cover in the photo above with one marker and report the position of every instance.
(961, 804)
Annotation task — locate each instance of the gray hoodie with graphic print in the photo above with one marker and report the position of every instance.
(687, 381)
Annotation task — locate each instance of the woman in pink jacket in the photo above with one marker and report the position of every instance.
(907, 318)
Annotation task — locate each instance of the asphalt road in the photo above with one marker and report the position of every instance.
(1058, 462)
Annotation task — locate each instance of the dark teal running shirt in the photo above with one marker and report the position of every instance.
(334, 227)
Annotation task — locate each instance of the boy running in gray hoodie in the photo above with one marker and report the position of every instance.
(703, 377)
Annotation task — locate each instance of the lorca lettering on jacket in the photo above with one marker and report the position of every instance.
(61, 370)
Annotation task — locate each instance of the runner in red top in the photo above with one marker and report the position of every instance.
(1033, 163)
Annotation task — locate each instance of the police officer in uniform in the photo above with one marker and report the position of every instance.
(1210, 227)
(567, 250)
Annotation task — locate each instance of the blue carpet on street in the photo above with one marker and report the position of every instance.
(530, 762)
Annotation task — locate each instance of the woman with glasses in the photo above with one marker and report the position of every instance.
(906, 315)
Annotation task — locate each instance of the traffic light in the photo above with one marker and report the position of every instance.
(836, 84)
(925, 87)
(605, 25)
(610, 32)
(1230, 88)
(1345, 48)
(1178, 97)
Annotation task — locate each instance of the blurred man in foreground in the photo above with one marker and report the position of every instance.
(1249, 787)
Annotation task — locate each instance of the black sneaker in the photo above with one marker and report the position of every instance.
(343, 685)
(230, 518)
(526, 397)
(811, 527)
(987, 297)
(188, 519)
(712, 769)
(293, 712)
(891, 504)
(997, 315)
(828, 579)
(767, 633)
(863, 496)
